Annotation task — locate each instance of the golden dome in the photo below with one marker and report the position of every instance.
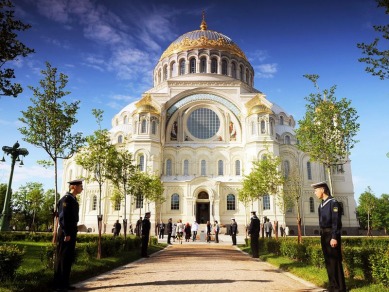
(203, 39)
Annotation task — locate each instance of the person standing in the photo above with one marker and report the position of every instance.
(209, 229)
(180, 230)
(169, 229)
(161, 229)
(138, 227)
(217, 230)
(233, 230)
(146, 226)
(188, 231)
(117, 227)
(254, 234)
(330, 222)
(195, 227)
(268, 228)
(67, 234)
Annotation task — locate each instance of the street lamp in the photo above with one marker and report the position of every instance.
(14, 152)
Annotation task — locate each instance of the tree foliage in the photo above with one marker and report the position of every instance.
(3, 191)
(328, 128)
(265, 178)
(10, 48)
(49, 121)
(376, 53)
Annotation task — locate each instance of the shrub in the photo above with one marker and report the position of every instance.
(10, 259)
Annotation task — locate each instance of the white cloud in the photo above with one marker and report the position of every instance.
(266, 70)
(258, 55)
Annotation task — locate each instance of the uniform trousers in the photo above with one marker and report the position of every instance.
(233, 239)
(65, 255)
(145, 243)
(254, 245)
(333, 262)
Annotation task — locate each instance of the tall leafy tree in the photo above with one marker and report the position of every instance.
(28, 200)
(382, 213)
(376, 53)
(328, 128)
(10, 47)
(49, 120)
(3, 191)
(95, 157)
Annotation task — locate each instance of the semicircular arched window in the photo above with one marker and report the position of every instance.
(175, 202)
(230, 202)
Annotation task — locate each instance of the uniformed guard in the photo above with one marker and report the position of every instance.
(330, 232)
(254, 234)
(146, 225)
(233, 230)
(67, 234)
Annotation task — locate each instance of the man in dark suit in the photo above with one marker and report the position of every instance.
(67, 235)
(254, 234)
(169, 230)
(146, 225)
(233, 230)
(330, 221)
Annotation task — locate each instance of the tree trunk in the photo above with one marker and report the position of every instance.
(299, 237)
(55, 213)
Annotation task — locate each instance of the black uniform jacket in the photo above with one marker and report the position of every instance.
(68, 214)
(330, 214)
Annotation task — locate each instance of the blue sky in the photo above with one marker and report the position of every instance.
(108, 49)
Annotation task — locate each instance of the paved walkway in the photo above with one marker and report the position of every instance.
(198, 266)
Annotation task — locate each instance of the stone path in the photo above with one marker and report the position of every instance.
(198, 266)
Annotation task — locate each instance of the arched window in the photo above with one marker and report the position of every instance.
(233, 70)
(241, 72)
(169, 167)
(281, 120)
(247, 76)
(120, 139)
(192, 65)
(143, 127)
(139, 201)
(142, 162)
(230, 202)
(165, 72)
(94, 203)
(263, 127)
(224, 67)
(172, 71)
(153, 127)
(213, 65)
(286, 169)
(186, 167)
(237, 167)
(309, 170)
(266, 202)
(117, 206)
(203, 65)
(287, 140)
(272, 127)
(220, 167)
(311, 205)
(203, 167)
(175, 202)
(125, 120)
(182, 67)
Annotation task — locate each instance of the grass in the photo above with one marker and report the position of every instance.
(315, 275)
(35, 275)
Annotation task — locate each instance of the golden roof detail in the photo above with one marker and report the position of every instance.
(256, 106)
(146, 104)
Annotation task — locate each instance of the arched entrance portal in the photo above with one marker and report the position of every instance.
(202, 208)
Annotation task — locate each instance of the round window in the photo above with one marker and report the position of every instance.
(203, 123)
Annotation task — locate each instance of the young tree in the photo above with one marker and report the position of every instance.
(293, 190)
(265, 178)
(95, 159)
(328, 128)
(367, 203)
(3, 191)
(49, 121)
(120, 172)
(10, 47)
(382, 211)
(377, 57)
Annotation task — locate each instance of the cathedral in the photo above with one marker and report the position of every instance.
(199, 129)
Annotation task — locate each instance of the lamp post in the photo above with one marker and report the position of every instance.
(14, 152)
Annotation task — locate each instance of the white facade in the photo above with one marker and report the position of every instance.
(200, 128)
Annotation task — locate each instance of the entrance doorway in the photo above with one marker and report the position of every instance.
(202, 212)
